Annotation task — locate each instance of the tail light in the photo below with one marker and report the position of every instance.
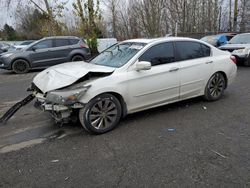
(83, 45)
(233, 58)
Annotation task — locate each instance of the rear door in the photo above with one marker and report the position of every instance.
(61, 51)
(196, 64)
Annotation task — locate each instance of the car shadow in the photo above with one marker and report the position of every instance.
(153, 113)
(163, 109)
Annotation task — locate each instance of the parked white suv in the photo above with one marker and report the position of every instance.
(132, 76)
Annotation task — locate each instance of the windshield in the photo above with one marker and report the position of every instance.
(31, 44)
(240, 39)
(118, 55)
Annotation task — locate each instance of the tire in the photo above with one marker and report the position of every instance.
(102, 114)
(215, 87)
(20, 66)
(77, 58)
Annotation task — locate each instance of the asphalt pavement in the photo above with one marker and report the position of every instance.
(192, 143)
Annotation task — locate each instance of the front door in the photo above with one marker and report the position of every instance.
(41, 55)
(156, 86)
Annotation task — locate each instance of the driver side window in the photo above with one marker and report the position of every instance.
(43, 44)
(159, 54)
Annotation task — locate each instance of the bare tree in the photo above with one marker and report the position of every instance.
(89, 14)
(51, 12)
(113, 8)
(235, 23)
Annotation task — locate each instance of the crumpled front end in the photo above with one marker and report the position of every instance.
(58, 89)
(61, 104)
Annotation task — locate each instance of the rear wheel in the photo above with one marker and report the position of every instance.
(77, 58)
(101, 114)
(215, 87)
(20, 66)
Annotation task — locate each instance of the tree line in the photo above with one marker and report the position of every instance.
(125, 19)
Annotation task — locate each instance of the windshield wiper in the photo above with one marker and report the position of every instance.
(110, 52)
(119, 48)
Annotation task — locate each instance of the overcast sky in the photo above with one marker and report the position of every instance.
(6, 15)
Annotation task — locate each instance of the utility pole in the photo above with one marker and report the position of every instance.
(235, 15)
(230, 15)
(219, 19)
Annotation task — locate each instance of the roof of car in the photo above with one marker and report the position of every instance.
(148, 41)
(244, 34)
(62, 37)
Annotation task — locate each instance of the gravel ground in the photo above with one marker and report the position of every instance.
(188, 144)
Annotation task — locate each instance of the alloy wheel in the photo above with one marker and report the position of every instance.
(217, 85)
(20, 66)
(103, 114)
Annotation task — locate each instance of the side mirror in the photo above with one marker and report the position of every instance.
(34, 48)
(143, 65)
(5, 49)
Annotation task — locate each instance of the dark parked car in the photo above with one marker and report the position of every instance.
(44, 53)
(218, 40)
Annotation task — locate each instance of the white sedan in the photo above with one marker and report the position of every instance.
(132, 76)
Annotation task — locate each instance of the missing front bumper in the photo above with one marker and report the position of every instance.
(60, 113)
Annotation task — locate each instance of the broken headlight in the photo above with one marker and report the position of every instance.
(66, 97)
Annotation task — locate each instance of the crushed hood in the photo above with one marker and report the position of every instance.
(63, 75)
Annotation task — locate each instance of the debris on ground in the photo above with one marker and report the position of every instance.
(55, 161)
(171, 130)
(15, 108)
(204, 107)
(223, 156)
(66, 178)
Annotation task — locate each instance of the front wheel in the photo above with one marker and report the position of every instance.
(20, 66)
(215, 87)
(101, 114)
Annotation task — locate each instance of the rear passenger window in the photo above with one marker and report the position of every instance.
(191, 50)
(206, 50)
(61, 42)
(159, 54)
(73, 41)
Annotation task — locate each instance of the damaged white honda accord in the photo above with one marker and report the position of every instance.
(132, 76)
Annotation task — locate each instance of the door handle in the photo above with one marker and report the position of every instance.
(209, 62)
(174, 69)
